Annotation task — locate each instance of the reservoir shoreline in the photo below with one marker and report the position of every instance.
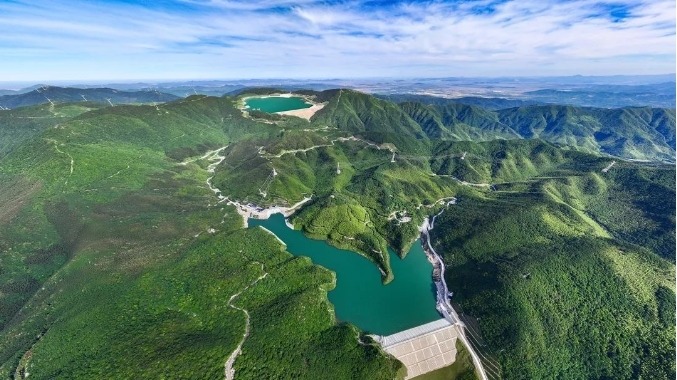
(289, 104)
(359, 297)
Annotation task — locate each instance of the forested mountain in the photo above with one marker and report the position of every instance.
(19, 125)
(52, 94)
(631, 133)
(638, 133)
(563, 273)
(119, 261)
(105, 244)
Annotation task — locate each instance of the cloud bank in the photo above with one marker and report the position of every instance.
(223, 39)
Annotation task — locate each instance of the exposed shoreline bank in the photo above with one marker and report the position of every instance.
(304, 113)
(255, 212)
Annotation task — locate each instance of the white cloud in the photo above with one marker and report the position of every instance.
(265, 38)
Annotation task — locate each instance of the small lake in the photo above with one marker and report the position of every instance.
(273, 104)
(359, 297)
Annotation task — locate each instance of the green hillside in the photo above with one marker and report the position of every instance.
(118, 261)
(378, 120)
(631, 133)
(562, 275)
(355, 187)
(639, 133)
(53, 94)
(17, 126)
(106, 244)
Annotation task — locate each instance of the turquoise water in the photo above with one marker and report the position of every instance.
(276, 104)
(359, 297)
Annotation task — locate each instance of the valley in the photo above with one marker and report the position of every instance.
(132, 244)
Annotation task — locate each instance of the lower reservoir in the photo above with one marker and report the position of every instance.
(359, 297)
(273, 104)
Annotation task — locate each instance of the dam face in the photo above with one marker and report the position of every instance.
(424, 348)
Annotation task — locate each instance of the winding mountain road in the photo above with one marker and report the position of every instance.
(228, 367)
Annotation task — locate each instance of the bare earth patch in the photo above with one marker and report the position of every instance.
(304, 113)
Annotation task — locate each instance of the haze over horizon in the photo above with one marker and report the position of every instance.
(112, 40)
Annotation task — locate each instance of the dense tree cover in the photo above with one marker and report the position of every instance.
(97, 156)
(356, 187)
(555, 295)
(630, 132)
(172, 320)
(264, 115)
(638, 133)
(634, 203)
(22, 124)
(117, 261)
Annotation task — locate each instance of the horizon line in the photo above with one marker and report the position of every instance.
(176, 80)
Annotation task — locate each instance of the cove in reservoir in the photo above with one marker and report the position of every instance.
(273, 104)
(359, 297)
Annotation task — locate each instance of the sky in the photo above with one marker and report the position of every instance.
(117, 40)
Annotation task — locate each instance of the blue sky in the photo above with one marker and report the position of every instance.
(234, 39)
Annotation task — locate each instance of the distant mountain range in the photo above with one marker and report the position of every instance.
(494, 93)
(488, 103)
(601, 96)
(47, 94)
(609, 96)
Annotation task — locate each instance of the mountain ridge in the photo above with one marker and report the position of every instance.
(54, 94)
(642, 133)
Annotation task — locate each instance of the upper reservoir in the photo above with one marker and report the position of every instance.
(359, 297)
(273, 104)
